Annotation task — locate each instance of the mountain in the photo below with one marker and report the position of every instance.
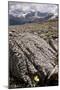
(20, 17)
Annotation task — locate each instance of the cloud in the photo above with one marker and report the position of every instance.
(26, 7)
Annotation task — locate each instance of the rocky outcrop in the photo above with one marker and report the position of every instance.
(30, 56)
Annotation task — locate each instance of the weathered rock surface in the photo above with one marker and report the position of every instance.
(30, 55)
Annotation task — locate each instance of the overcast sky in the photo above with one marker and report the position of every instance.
(51, 8)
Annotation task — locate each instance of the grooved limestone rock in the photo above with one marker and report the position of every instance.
(30, 55)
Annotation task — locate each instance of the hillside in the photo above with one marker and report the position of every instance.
(46, 30)
(33, 54)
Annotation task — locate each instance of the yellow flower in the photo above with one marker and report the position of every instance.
(36, 78)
